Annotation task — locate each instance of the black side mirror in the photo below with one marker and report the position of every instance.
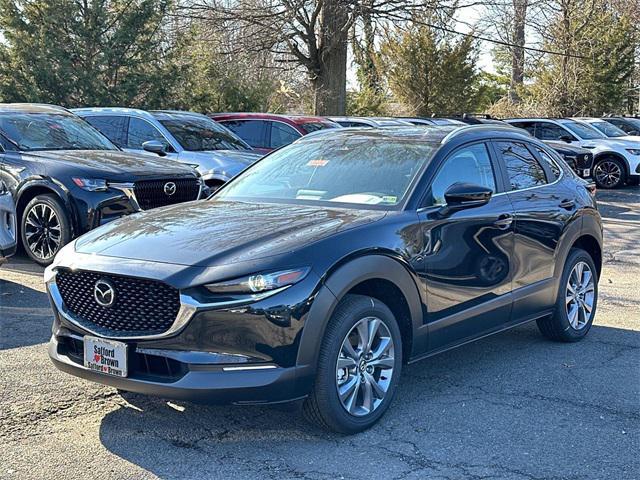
(566, 138)
(461, 196)
(154, 146)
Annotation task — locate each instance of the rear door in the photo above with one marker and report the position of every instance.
(542, 210)
(467, 257)
(254, 132)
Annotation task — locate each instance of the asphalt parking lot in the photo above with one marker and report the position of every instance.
(513, 406)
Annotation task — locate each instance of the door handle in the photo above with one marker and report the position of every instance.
(504, 221)
(567, 204)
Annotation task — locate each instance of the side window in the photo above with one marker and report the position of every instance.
(553, 166)
(523, 169)
(141, 131)
(470, 164)
(251, 131)
(112, 127)
(528, 126)
(549, 131)
(282, 134)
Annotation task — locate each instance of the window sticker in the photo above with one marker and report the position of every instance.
(317, 163)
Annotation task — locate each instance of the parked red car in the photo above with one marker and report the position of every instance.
(268, 131)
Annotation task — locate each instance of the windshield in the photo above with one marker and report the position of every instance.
(583, 131)
(360, 171)
(51, 131)
(608, 129)
(311, 127)
(197, 134)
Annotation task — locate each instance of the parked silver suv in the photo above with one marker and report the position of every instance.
(187, 137)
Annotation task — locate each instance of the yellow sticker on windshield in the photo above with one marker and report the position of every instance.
(317, 163)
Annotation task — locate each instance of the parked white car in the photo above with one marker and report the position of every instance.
(616, 160)
(607, 129)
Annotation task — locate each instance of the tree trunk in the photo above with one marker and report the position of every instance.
(330, 78)
(517, 52)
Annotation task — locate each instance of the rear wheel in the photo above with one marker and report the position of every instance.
(45, 228)
(358, 367)
(609, 173)
(577, 300)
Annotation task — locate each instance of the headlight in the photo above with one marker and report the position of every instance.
(260, 282)
(91, 184)
(634, 151)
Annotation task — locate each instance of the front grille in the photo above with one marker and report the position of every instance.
(155, 193)
(140, 307)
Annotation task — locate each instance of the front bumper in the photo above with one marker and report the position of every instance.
(214, 353)
(203, 383)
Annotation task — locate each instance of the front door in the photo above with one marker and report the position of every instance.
(467, 264)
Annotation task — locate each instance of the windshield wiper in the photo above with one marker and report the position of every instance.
(12, 142)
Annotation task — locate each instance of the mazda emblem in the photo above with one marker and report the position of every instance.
(104, 293)
(169, 188)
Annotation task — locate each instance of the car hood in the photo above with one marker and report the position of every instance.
(215, 232)
(111, 164)
(567, 148)
(603, 143)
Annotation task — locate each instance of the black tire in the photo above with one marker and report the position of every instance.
(557, 326)
(323, 406)
(633, 181)
(616, 176)
(46, 255)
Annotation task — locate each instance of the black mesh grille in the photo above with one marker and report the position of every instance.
(141, 307)
(154, 193)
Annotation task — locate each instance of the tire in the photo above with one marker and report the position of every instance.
(324, 407)
(57, 228)
(558, 326)
(633, 180)
(609, 173)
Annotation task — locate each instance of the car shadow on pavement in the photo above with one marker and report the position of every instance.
(509, 404)
(25, 316)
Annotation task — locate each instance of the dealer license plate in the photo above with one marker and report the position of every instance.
(105, 356)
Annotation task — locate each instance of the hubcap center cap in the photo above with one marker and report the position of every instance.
(362, 366)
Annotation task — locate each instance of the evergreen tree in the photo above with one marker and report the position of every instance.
(430, 72)
(89, 52)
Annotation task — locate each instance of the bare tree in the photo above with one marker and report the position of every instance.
(313, 34)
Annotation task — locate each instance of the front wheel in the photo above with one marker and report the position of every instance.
(45, 228)
(577, 300)
(609, 173)
(358, 367)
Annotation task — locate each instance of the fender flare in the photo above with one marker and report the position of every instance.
(341, 281)
(587, 225)
(55, 188)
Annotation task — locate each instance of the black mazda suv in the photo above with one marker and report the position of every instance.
(321, 270)
(66, 178)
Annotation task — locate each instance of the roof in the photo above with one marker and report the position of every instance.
(440, 134)
(32, 108)
(102, 110)
(297, 119)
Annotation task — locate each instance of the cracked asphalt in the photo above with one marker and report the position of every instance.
(513, 406)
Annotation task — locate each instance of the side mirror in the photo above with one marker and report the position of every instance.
(566, 138)
(461, 196)
(154, 146)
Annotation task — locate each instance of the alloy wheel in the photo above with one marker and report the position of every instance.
(43, 232)
(608, 173)
(365, 366)
(580, 295)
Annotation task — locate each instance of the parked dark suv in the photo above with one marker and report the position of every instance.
(66, 178)
(324, 267)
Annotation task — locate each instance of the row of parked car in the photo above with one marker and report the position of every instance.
(67, 178)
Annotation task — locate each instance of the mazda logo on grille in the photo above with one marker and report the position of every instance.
(169, 188)
(104, 293)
